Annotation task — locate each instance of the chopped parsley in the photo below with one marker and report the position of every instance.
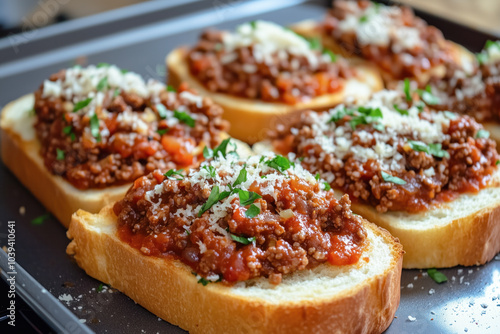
(437, 276)
(253, 24)
(116, 92)
(103, 65)
(333, 56)
(103, 84)
(317, 176)
(94, 127)
(170, 89)
(162, 111)
(363, 19)
(174, 174)
(432, 149)
(242, 240)
(188, 232)
(482, 134)
(394, 179)
(40, 219)
(60, 154)
(280, 163)
(100, 287)
(211, 171)
(212, 199)
(82, 104)
(450, 115)
(497, 163)
(203, 281)
(68, 130)
(242, 177)
(252, 211)
(222, 148)
(401, 111)
(184, 117)
(247, 197)
(327, 186)
(407, 90)
(428, 97)
(314, 43)
(367, 116)
(161, 132)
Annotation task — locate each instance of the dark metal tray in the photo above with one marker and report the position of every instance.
(468, 302)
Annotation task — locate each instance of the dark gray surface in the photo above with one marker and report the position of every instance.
(469, 302)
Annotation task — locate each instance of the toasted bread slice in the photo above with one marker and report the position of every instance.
(465, 231)
(21, 154)
(359, 298)
(460, 55)
(252, 119)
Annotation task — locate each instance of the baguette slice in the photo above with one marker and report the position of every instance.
(21, 154)
(460, 54)
(252, 119)
(360, 298)
(465, 231)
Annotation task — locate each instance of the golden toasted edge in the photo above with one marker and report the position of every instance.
(55, 193)
(168, 289)
(251, 120)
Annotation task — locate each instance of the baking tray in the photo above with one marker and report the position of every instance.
(468, 302)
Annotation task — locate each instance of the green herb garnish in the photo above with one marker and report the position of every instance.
(252, 211)
(389, 178)
(242, 177)
(103, 65)
(327, 186)
(174, 174)
(314, 43)
(82, 104)
(211, 171)
(432, 149)
(333, 56)
(100, 287)
(203, 281)
(450, 115)
(482, 134)
(401, 111)
(60, 154)
(161, 132)
(366, 116)
(428, 97)
(280, 163)
(40, 219)
(103, 84)
(162, 111)
(242, 240)
(67, 129)
(247, 197)
(184, 117)
(94, 127)
(188, 232)
(437, 276)
(171, 89)
(317, 176)
(253, 24)
(212, 199)
(407, 90)
(363, 19)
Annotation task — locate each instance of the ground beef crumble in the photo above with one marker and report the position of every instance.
(284, 78)
(120, 153)
(318, 229)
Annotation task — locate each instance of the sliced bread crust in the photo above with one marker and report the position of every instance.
(465, 231)
(251, 119)
(21, 154)
(361, 298)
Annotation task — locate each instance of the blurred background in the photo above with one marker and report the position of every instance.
(23, 15)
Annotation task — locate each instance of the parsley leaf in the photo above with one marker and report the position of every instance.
(428, 97)
(242, 240)
(40, 219)
(211, 171)
(242, 177)
(253, 24)
(314, 43)
(94, 127)
(247, 197)
(221, 148)
(482, 134)
(340, 114)
(437, 276)
(207, 152)
(367, 116)
(212, 199)
(363, 19)
(103, 84)
(497, 162)
(280, 163)
(161, 132)
(450, 115)
(103, 65)
(174, 174)
(327, 186)
(317, 176)
(116, 93)
(184, 117)
(100, 287)
(60, 154)
(333, 56)
(171, 89)
(401, 111)
(407, 90)
(162, 111)
(67, 129)
(389, 178)
(203, 281)
(432, 149)
(82, 104)
(252, 211)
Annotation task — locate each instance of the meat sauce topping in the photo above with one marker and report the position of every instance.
(265, 61)
(475, 92)
(232, 220)
(392, 153)
(100, 126)
(390, 36)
